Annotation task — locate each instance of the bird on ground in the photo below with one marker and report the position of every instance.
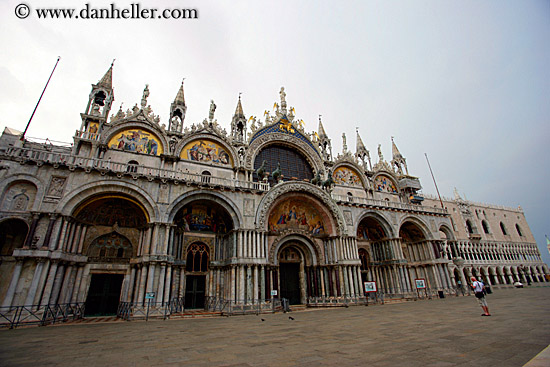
(291, 318)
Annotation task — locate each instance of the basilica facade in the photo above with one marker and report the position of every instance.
(139, 209)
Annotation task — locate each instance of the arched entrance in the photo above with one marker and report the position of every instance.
(196, 269)
(291, 272)
(12, 235)
(202, 234)
(113, 220)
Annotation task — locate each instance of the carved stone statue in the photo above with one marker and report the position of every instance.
(344, 145)
(283, 95)
(145, 95)
(380, 156)
(212, 110)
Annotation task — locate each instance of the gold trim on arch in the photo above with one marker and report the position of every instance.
(102, 197)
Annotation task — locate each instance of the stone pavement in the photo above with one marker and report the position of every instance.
(437, 332)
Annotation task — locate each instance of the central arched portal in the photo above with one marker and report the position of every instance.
(290, 267)
(294, 261)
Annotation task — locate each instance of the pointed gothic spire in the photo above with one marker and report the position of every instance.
(359, 146)
(321, 130)
(239, 109)
(107, 80)
(395, 152)
(180, 99)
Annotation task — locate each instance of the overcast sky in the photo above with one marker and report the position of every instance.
(467, 82)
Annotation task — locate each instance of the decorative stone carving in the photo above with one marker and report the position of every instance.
(283, 237)
(348, 217)
(56, 186)
(279, 190)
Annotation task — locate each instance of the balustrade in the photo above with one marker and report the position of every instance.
(105, 165)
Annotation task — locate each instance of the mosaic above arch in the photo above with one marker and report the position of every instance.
(296, 213)
(346, 176)
(206, 151)
(383, 183)
(203, 216)
(136, 140)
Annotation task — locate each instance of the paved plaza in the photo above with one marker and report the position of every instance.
(437, 332)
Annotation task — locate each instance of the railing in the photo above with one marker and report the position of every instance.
(387, 204)
(215, 304)
(15, 316)
(136, 171)
(244, 307)
(342, 301)
(130, 311)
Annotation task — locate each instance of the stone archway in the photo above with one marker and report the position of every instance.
(295, 264)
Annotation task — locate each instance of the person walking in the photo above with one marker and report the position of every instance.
(477, 287)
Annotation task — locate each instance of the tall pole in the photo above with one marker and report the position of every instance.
(435, 183)
(46, 86)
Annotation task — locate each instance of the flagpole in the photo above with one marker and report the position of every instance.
(46, 86)
(435, 183)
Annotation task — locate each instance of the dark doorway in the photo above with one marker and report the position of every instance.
(104, 294)
(195, 286)
(12, 235)
(290, 282)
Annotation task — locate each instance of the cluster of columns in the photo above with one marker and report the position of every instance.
(334, 281)
(167, 281)
(251, 244)
(53, 281)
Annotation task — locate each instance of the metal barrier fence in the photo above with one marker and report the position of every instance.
(244, 307)
(130, 311)
(15, 316)
(343, 301)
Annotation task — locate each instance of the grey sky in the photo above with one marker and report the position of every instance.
(467, 82)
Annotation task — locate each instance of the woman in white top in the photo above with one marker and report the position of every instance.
(477, 287)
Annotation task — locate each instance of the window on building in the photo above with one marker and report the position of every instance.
(294, 166)
(469, 226)
(485, 226)
(206, 177)
(350, 197)
(519, 230)
(132, 166)
(197, 258)
(503, 229)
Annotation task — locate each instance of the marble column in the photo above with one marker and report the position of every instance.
(160, 286)
(49, 283)
(32, 230)
(78, 279)
(48, 235)
(167, 284)
(34, 283)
